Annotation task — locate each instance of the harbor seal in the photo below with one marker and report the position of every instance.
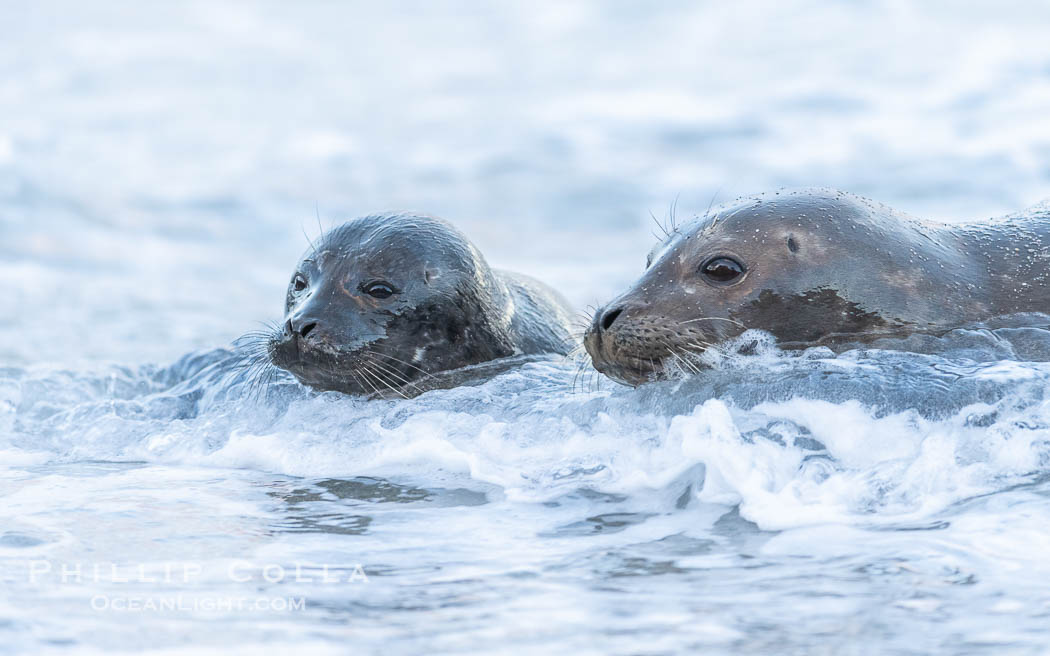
(388, 304)
(817, 267)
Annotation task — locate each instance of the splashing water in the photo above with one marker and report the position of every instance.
(871, 490)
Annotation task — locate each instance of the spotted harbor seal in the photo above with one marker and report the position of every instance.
(817, 267)
(391, 304)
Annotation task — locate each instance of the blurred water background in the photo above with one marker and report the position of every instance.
(160, 164)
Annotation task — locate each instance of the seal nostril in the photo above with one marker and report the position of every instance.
(610, 317)
(305, 330)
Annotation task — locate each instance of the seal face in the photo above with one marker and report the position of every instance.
(383, 302)
(816, 267)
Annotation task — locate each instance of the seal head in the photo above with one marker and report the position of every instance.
(812, 267)
(384, 301)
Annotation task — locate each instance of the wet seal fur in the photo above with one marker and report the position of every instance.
(397, 304)
(817, 267)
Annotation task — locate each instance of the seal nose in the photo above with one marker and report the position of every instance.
(609, 318)
(299, 329)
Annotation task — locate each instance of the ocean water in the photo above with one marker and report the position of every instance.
(162, 167)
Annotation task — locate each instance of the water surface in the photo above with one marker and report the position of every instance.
(159, 167)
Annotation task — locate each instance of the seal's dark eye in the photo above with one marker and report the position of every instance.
(379, 289)
(722, 270)
(299, 284)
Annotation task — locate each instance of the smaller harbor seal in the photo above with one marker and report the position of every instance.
(817, 267)
(390, 304)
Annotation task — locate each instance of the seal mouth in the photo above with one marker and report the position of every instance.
(637, 361)
(314, 373)
(316, 368)
(634, 371)
(360, 372)
(624, 367)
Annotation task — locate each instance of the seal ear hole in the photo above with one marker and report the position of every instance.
(426, 277)
(792, 245)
